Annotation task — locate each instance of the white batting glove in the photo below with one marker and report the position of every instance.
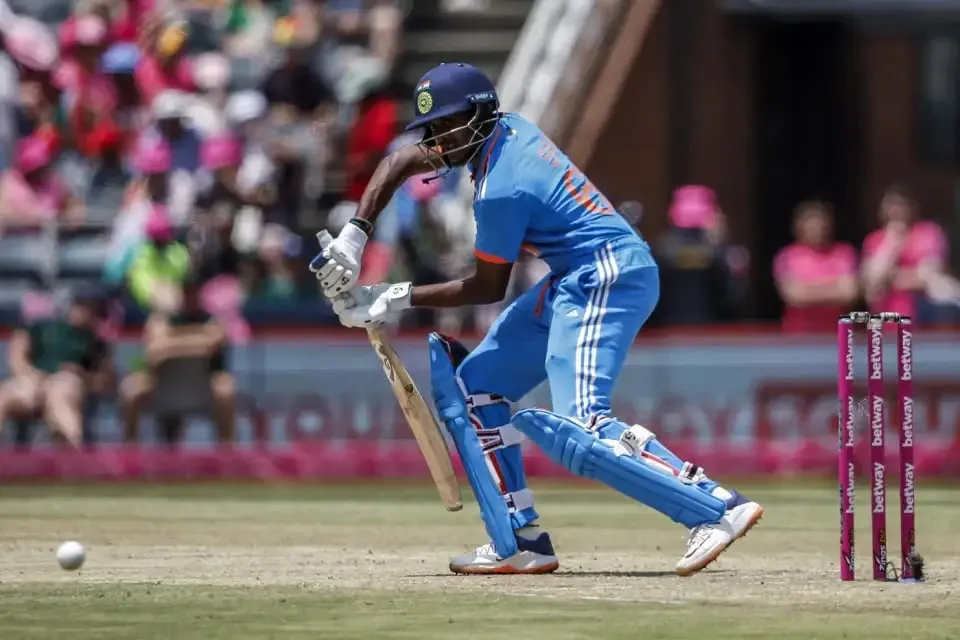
(374, 305)
(337, 266)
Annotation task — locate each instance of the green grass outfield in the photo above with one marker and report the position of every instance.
(259, 562)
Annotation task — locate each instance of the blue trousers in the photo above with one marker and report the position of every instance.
(573, 330)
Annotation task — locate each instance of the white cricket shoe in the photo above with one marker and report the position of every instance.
(535, 555)
(708, 541)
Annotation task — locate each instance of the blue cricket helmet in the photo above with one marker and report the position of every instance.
(451, 88)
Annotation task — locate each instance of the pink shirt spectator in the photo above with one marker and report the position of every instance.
(925, 241)
(808, 265)
(94, 91)
(26, 204)
(152, 78)
(125, 26)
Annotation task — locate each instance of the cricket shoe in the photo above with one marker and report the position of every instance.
(534, 555)
(708, 541)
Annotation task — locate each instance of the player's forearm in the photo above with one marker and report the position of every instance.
(457, 293)
(390, 175)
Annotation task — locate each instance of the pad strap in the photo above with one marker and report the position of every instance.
(633, 442)
(475, 400)
(519, 500)
(497, 438)
(691, 474)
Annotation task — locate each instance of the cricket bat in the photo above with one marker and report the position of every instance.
(420, 419)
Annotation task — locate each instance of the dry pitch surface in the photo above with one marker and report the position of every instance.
(304, 562)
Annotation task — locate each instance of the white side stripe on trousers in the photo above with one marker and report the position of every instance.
(588, 338)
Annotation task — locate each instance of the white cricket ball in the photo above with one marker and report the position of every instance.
(71, 555)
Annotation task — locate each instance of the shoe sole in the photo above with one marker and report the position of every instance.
(505, 570)
(689, 571)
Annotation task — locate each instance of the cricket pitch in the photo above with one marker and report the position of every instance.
(255, 562)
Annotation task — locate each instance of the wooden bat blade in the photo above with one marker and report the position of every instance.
(421, 421)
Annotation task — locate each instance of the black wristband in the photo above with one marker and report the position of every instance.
(364, 225)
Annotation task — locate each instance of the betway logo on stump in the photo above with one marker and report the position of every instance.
(906, 426)
(909, 488)
(876, 354)
(876, 422)
(847, 439)
(906, 356)
(879, 487)
(848, 356)
(851, 487)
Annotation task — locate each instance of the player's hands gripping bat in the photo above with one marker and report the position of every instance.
(367, 306)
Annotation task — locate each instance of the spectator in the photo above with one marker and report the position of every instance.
(293, 85)
(211, 242)
(249, 27)
(385, 20)
(188, 336)
(110, 177)
(122, 16)
(33, 47)
(298, 106)
(149, 192)
(345, 37)
(221, 156)
(54, 362)
(31, 52)
(279, 250)
(701, 275)
(164, 65)
(119, 63)
(31, 193)
(169, 112)
(816, 276)
(245, 112)
(169, 115)
(374, 127)
(159, 267)
(212, 78)
(903, 258)
(88, 93)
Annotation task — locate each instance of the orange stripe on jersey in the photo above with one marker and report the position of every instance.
(489, 257)
(585, 194)
(532, 250)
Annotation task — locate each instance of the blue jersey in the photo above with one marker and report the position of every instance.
(529, 196)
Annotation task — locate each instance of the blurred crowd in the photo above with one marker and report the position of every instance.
(165, 159)
(902, 266)
(154, 138)
(166, 162)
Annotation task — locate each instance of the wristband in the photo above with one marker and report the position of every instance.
(364, 225)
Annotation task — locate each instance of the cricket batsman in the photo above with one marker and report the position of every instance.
(573, 329)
